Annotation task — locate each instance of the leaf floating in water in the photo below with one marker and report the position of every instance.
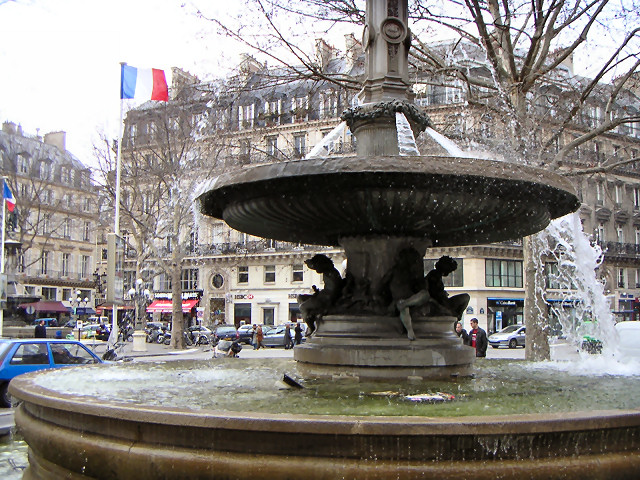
(438, 397)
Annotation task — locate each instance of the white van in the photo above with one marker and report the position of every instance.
(97, 320)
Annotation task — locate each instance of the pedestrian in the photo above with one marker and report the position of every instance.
(41, 330)
(288, 341)
(478, 339)
(298, 333)
(254, 337)
(259, 337)
(462, 333)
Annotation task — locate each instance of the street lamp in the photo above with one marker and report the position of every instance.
(140, 297)
(75, 304)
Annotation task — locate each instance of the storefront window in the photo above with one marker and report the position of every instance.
(503, 273)
(242, 313)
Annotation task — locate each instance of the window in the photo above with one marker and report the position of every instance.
(272, 146)
(66, 261)
(66, 228)
(621, 278)
(599, 193)
(47, 197)
(85, 266)
(189, 279)
(45, 170)
(49, 293)
(298, 273)
(300, 144)
(31, 354)
(70, 353)
(44, 263)
(619, 233)
(454, 279)
(46, 224)
(600, 233)
(23, 165)
(87, 204)
(619, 193)
(503, 273)
(20, 265)
(86, 235)
(243, 274)
(637, 236)
(268, 316)
(269, 274)
(636, 198)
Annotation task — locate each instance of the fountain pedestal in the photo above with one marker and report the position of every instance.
(370, 346)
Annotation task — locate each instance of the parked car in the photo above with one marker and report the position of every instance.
(511, 336)
(245, 333)
(48, 322)
(225, 332)
(275, 336)
(89, 331)
(19, 356)
(200, 335)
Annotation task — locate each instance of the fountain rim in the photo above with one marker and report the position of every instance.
(25, 389)
(207, 193)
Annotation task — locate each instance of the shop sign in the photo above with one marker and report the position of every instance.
(243, 296)
(506, 303)
(470, 310)
(188, 295)
(293, 295)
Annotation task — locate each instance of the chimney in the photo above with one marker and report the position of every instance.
(57, 139)
(353, 49)
(324, 52)
(9, 127)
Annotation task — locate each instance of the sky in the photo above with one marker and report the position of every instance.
(60, 60)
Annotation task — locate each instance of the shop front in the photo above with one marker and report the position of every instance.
(503, 312)
(162, 307)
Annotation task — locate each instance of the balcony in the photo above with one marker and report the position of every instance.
(35, 275)
(621, 249)
(260, 246)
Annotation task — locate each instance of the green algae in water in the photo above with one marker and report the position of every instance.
(499, 387)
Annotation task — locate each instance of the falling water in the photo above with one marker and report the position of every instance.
(582, 293)
(326, 145)
(451, 148)
(406, 140)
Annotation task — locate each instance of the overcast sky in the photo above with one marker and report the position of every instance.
(60, 60)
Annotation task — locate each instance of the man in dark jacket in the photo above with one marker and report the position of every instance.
(478, 338)
(41, 330)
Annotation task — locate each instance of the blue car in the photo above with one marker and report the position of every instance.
(30, 354)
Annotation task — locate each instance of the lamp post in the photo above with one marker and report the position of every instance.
(140, 297)
(75, 304)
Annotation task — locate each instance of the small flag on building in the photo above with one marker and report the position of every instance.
(8, 197)
(143, 84)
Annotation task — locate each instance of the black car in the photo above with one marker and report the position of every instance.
(225, 332)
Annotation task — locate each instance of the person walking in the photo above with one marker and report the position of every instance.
(254, 337)
(298, 333)
(288, 341)
(41, 330)
(478, 339)
(462, 333)
(259, 337)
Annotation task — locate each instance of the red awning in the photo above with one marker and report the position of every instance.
(45, 306)
(166, 306)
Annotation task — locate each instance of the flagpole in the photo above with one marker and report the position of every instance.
(116, 226)
(2, 236)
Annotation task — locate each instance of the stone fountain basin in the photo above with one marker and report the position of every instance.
(447, 200)
(79, 437)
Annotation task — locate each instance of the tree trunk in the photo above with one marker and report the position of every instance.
(536, 317)
(177, 326)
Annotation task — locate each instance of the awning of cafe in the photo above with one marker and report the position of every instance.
(45, 306)
(166, 306)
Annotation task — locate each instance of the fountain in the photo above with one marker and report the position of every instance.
(385, 206)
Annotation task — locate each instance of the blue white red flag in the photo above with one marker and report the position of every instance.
(143, 84)
(8, 197)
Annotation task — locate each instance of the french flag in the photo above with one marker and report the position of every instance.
(8, 197)
(143, 84)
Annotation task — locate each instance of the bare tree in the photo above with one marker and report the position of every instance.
(173, 149)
